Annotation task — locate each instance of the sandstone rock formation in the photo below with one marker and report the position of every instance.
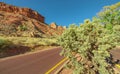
(15, 21)
(53, 25)
(23, 11)
(64, 27)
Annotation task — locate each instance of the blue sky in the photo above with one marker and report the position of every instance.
(64, 12)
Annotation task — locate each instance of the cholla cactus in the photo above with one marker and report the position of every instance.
(92, 42)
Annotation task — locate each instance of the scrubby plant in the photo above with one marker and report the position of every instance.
(4, 43)
(22, 27)
(110, 16)
(92, 42)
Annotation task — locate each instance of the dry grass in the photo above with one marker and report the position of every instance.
(27, 41)
(19, 45)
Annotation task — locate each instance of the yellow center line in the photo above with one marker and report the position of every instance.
(50, 70)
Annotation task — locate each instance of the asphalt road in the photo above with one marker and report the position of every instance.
(36, 63)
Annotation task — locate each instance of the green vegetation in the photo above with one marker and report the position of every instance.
(110, 15)
(87, 46)
(4, 43)
(19, 45)
(28, 41)
(22, 27)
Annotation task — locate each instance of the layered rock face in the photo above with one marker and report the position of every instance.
(56, 27)
(53, 25)
(15, 21)
(23, 11)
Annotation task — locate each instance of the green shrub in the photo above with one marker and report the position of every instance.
(110, 16)
(91, 43)
(22, 27)
(4, 43)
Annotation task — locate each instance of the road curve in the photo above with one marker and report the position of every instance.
(36, 63)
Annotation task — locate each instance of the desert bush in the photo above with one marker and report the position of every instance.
(110, 16)
(4, 43)
(22, 28)
(91, 42)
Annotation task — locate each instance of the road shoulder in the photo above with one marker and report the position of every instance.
(29, 53)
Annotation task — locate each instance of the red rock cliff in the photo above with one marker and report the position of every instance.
(23, 11)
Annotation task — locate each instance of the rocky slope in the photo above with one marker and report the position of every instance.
(16, 21)
(23, 11)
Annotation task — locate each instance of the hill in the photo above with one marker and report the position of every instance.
(25, 22)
